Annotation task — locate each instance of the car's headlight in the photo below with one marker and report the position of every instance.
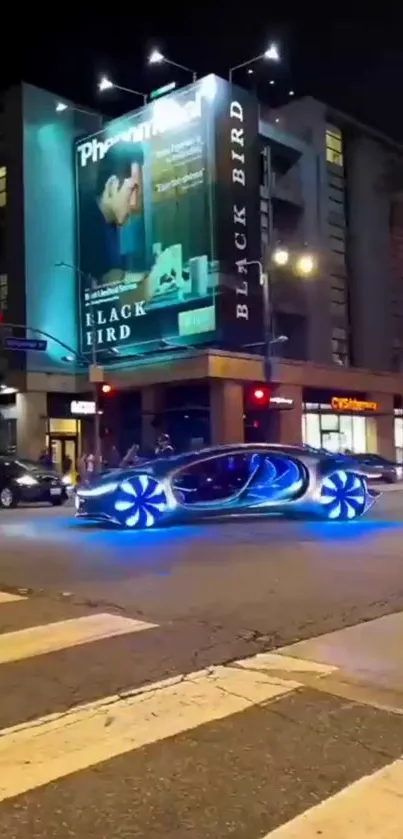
(26, 481)
(399, 473)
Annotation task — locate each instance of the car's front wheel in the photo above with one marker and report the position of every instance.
(8, 498)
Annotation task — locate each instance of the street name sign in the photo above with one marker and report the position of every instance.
(25, 344)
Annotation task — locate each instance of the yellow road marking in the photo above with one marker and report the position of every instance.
(7, 597)
(36, 753)
(39, 640)
(372, 806)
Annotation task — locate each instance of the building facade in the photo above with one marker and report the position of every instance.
(171, 295)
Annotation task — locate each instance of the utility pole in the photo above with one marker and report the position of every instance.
(96, 371)
(264, 281)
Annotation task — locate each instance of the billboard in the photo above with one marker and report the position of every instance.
(237, 228)
(159, 203)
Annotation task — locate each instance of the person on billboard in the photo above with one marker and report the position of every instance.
(118, 231)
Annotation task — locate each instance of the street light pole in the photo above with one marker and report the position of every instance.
(265, 275)
(95, 379)
(107, 84)
(96, 373)
(157, 57)
(272, 54)
(264, 281)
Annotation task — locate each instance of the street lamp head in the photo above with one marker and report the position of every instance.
(279, 339)
(156, 57)
(305, 265)
(61, 106)
(272, 53)
(281, 256)
(105, 84)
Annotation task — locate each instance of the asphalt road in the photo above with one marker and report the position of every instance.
(90, 615)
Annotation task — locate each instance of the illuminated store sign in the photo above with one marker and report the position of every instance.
(281, 401)
(82, 408)
(341, 403)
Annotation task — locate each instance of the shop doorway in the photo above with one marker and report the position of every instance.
(63, 440)
(61, 448)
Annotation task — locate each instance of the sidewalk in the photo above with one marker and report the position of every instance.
(368, 659)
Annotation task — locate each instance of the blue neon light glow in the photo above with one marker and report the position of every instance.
(275, 479)
(101, 489)
(143, 499)
(343, 495)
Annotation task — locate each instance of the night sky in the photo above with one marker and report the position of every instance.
(357, 66)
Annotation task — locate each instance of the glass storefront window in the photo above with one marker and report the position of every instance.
(346, 433)
(335, 432)
(398, 423)
(359, 427)
(311, 430)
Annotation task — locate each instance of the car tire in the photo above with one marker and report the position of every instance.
(57, 502)
(8, 498)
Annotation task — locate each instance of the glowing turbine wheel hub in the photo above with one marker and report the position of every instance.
(142, 499)
(343, 495)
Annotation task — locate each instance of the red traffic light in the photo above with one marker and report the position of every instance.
(258, 397)
(106, 389)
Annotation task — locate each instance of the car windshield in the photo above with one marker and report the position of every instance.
(29, 465)
(323, 452)
(376, 459)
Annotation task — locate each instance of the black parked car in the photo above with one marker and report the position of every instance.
(379, 469)
(28, 482)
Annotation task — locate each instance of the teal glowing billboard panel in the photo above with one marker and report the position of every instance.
(162, 222)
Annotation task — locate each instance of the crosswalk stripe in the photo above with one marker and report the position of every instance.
(372, 806)
(52, 747)
(7, 597)
(53, 637)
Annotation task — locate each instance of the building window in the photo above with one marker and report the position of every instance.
(340, 348)
(334, 146)
(3, 186)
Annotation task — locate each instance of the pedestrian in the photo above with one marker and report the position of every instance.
(66, 464)
(90, 467)
(132, 456)
(45, 459)
(113, 459)
(164, 447)
(82, 469)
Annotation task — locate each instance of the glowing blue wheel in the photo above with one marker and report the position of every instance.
(343, 496)
(141, 501)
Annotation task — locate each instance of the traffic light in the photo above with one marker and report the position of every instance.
(258, 397)
(108, 407)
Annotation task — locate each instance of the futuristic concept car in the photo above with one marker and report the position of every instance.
(236, 480)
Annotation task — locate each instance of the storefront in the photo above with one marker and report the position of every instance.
(398, 428)
(263, 414)
(339, 422)
(69, 426)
